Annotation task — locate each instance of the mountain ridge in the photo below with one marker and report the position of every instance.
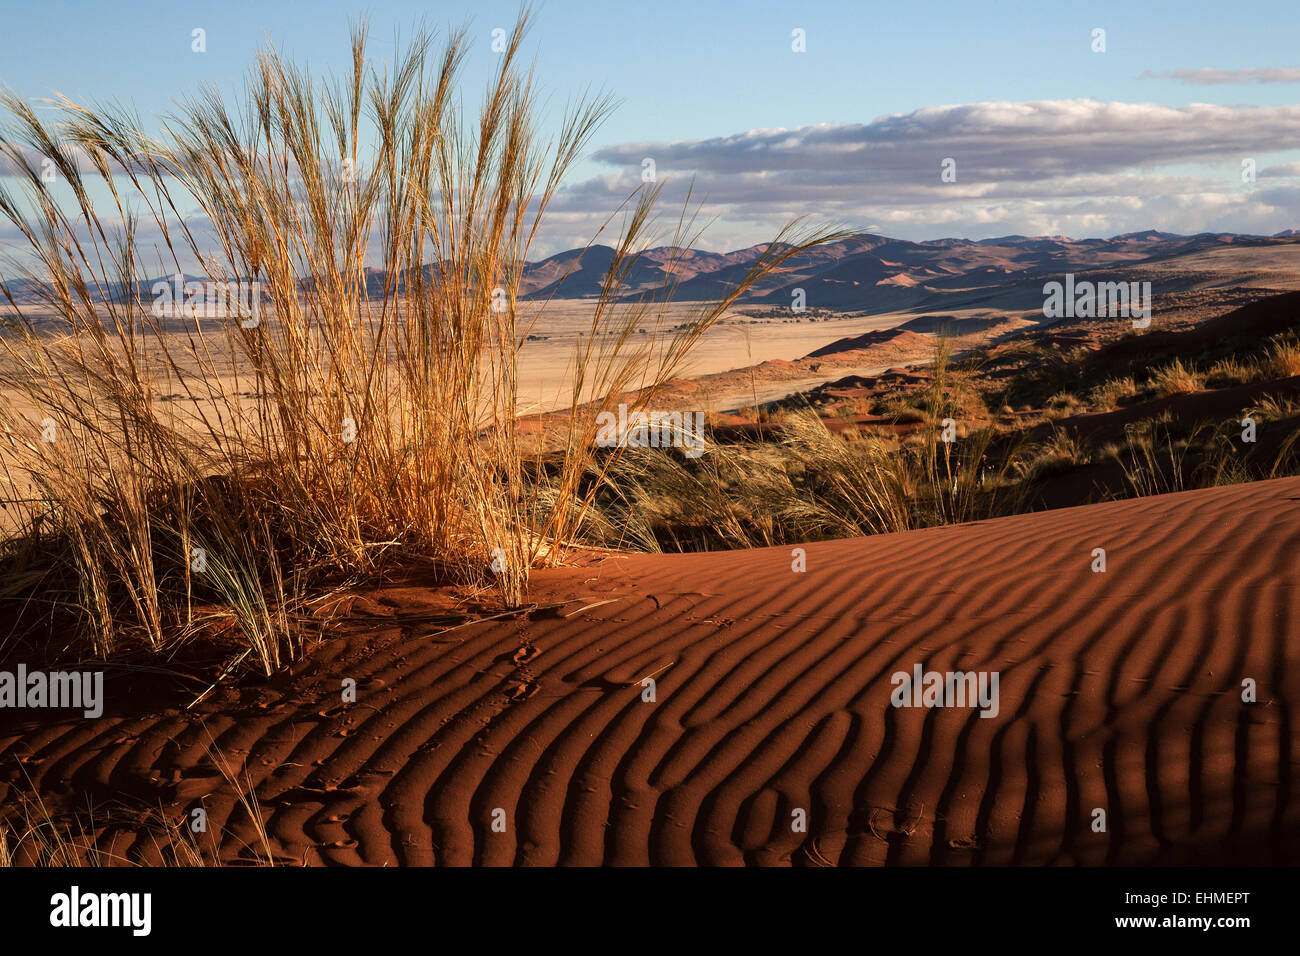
(865, 272)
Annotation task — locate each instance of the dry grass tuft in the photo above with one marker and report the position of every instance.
(1176, 379)
(189, 468)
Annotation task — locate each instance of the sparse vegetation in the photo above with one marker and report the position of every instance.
(1113, 392)
(1175, 379)
(1228, 372)
(1275, 408)
(810, 484)
(354, 426)
(1284, 358)
(1061, 452)
(31, 834)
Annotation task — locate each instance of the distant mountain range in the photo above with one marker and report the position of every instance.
(863, 273)
(875, 273)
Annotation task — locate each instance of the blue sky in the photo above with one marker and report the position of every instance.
(696, 78)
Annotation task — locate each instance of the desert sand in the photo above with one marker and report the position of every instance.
(1119, 691)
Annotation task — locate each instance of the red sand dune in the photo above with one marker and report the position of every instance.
(1118, 690)
(867, 340)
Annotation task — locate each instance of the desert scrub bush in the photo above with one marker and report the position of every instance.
(1043, 371)
(1175, 379)
(1224, 464)
(903, 407)
(367, 416)
(1287, 459)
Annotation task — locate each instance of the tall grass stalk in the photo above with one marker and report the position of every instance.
(363, 416)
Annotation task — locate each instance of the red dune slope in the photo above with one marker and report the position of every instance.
(1119, 691)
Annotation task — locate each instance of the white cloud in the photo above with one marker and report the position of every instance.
(1208, 76)
(1062, 166)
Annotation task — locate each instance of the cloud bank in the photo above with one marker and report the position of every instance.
(1074, 167)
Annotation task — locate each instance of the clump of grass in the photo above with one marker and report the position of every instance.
(1229, 371)
(1155, 460)
(813, 484)
(1275, 407)
(1162, 458)
(361, 420)
(1065, 400)
(905, 414)
(1284, 358)
(1175, 379)
(733, 497)
(1059, 453)
(1112, 392)
(883, 486)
